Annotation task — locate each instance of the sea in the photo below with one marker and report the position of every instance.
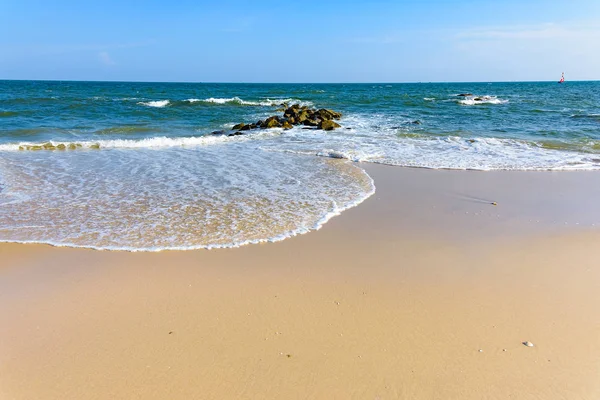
(136, 167)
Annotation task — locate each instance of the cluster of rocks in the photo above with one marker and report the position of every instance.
(292, 116)
(60, 146)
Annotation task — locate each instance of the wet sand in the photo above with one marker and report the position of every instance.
(425, 291)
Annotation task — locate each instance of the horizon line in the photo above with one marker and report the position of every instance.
(290, 83)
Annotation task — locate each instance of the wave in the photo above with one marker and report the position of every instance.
(146, 143)
(225, 101)
(334, 212)
(155, 103)
(594, 117)
(181, 200)
(478, 100)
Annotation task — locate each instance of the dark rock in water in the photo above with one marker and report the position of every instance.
(302, 116)
(349, 129)
(477, 99)
(271, 122)
(295, 115)
(328, 114)
(308, 128)
(328, 125)
(465, 94)
(416, 122)
(238, 133)
(217, 133)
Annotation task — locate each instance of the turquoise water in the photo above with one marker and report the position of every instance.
(146, 174)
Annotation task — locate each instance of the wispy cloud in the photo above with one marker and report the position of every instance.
(105, 58)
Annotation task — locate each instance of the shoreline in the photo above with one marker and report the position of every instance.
(393, 298)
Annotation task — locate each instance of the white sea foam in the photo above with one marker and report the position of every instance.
(224, 101)
(155, 103)
(376, 139)
(477, 100)
(146, 143)
(263, 103)
(185, 199)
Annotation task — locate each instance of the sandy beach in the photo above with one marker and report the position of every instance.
(427, 290)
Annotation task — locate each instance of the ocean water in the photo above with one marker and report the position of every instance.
(141, 170)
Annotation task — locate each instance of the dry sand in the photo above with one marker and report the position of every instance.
(392, 300)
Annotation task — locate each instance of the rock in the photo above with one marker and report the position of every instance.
(247, 127)
(271, 122)
(416, 122)
(95, 146)
(238, 127)
(73, 146)
(302, 116)
(310, 122)
(48, 146)
(61, 147)
(259, 122)
(477, 99)
(328, 125)
(328, 114)
(465, 94)
(286, 125)
(238, 133)
(274, 123)
(217, 133)
(528, 344)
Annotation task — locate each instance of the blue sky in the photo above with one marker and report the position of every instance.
(302, 41)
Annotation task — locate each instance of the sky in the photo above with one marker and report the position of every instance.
(300, 41)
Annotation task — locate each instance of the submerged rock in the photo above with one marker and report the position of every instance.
(238, 127)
